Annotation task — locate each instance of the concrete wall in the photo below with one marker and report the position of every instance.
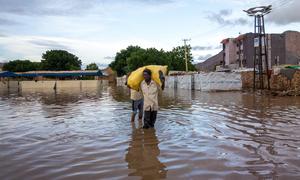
(171, 82)
(37, 84)
(42, 85)
(214, 81)
(3, 85)
(13, 85)
(68, 84)
(184, 82)
(218, 81)
(197, 80)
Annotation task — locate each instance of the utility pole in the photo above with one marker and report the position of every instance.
(186, 54)
(261, 65)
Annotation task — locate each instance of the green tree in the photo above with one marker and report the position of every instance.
(92, 66)
(120, 63)
(134, 57)
(57, 60)
(21, 66)
(176, 59)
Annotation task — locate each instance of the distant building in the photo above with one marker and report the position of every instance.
(292, 47)
(229, 50)
(282, 49)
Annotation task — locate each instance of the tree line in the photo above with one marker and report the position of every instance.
(133, 57)
(52, 60)
(125, 61)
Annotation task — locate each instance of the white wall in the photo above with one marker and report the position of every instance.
(90, 83)
(218, 81)
(171, 82)
(13, 85)
(37, 84)
(214, 81)
(62, 84)
(184, 82)
(197, 80)
(3, 85)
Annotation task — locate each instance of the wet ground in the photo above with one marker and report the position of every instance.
(87, 134)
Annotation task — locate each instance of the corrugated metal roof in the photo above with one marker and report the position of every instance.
(52, 74)
(7, 74)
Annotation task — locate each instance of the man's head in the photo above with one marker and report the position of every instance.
(147, 75)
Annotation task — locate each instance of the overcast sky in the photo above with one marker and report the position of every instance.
(95, 30)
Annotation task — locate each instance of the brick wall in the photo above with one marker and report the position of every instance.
(282, 82)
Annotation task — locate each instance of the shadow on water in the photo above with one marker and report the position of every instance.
(142, 154)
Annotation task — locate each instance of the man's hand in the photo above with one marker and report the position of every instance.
(162, 79)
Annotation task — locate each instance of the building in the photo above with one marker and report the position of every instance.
(62, 75)
(292, 47)
(282, 49)
(229, 50)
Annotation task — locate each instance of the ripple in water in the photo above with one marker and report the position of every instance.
(86, 134)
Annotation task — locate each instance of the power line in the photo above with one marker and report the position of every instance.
(210, 31)
(281, 4)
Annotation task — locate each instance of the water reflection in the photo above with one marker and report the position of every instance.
(142, 155)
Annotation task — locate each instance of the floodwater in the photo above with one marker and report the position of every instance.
(87, 134)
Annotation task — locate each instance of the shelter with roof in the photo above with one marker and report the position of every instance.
(52, 74)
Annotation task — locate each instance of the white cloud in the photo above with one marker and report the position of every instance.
(285, 12)
(32, 47)
(94, 30)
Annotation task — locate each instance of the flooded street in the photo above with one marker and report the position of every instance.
(87, 134)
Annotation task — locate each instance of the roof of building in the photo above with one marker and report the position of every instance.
(53, 73)
(7, 74)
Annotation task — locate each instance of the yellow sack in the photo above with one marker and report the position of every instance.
(136, 77)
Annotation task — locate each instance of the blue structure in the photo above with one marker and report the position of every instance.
(4, 74)
(54, 74)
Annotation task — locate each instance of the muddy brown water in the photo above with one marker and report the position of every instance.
(86, 134)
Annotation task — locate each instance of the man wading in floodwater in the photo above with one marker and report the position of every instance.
(150, 91)
(137, 102)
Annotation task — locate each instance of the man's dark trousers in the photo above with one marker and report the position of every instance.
(149, 118)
